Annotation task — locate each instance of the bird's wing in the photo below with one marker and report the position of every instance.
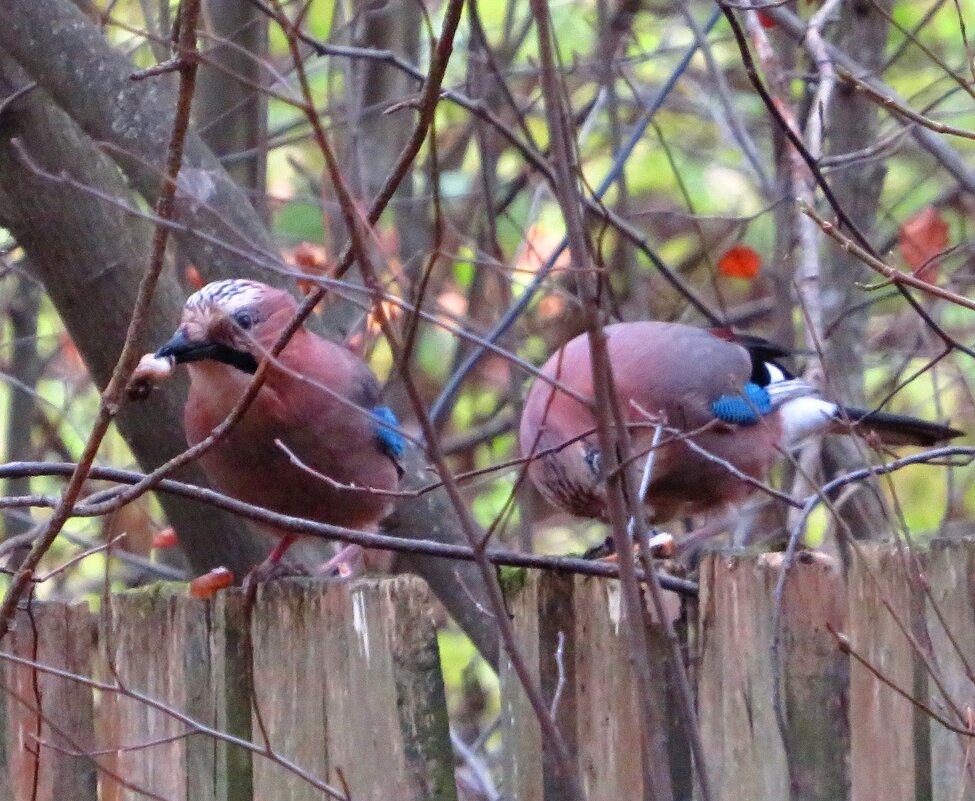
(681, 372)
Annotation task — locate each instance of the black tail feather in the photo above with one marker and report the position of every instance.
(895, 429)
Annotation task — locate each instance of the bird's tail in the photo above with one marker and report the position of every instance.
(892, 429)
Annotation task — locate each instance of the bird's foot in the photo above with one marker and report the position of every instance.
(348, 563)
(270, 570)
(661, 546)
(354, 561)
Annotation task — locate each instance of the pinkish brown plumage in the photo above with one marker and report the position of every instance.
(736, 401)
(319, 401)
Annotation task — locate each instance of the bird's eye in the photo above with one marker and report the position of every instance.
(594, 460)
(244, 320)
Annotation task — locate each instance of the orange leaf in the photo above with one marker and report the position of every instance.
(740, 261)
(165, 538)
(193, 277)
(921, 239)
(206, 586)
(311, 260)
(765, 20)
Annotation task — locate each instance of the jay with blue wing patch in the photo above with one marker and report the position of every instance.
(729, 395)
(315, 443)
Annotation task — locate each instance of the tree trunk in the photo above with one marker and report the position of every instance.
(229, 112)
(90, 256)
(91, 260)
(852, 121)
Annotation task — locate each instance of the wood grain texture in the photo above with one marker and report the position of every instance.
(951, 624)
(889, 754)
(348, 681)
(582, 619)
(747, 753)
(189, 654)
(289, 636)
(385, 705)
(139, 637)
(50, 719)
(521, 738)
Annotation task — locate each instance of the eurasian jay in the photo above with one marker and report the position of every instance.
(319, 403)
(726, 395)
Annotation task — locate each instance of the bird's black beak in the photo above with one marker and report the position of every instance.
(181, 350)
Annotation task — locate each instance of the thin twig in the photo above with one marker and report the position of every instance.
(886, 270)
(114, 391)
(313, 528)
(889, 103)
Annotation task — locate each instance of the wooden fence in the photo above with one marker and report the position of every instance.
(341, 684)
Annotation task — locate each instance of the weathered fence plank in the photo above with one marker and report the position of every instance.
(347, 681)
(50, 719)
(951, 624)
(289, 673)
(889, 750)
(348, 684)
(187, 654)
(573, 637)
(521, 738)
(747, 752)
(349, 688)
(385, 705)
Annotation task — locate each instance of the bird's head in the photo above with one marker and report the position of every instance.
(233, 322)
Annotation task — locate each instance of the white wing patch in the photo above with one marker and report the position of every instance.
(788, 389)
(776, 374)
(802, 411)
(804, 416)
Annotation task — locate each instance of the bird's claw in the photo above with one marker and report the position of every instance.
(662, 546)
(348, 563)
(353, 561)
(270, 571)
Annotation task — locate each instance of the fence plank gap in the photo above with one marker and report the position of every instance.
(42, 739)
(748, 754)
(580, 621)
(889, 748)
(951, 623)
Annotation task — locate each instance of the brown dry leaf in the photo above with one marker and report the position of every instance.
(921, 239)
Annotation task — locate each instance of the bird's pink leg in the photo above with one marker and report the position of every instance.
(271, 567)
(354, 560)
(281, 548)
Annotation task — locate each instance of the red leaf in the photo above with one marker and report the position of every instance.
(740, 261)
(921, 239)
(165, 538)
(765, 19)
(206, 586)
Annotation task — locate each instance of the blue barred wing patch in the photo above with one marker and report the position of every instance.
(390, 441)
(745, 409)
